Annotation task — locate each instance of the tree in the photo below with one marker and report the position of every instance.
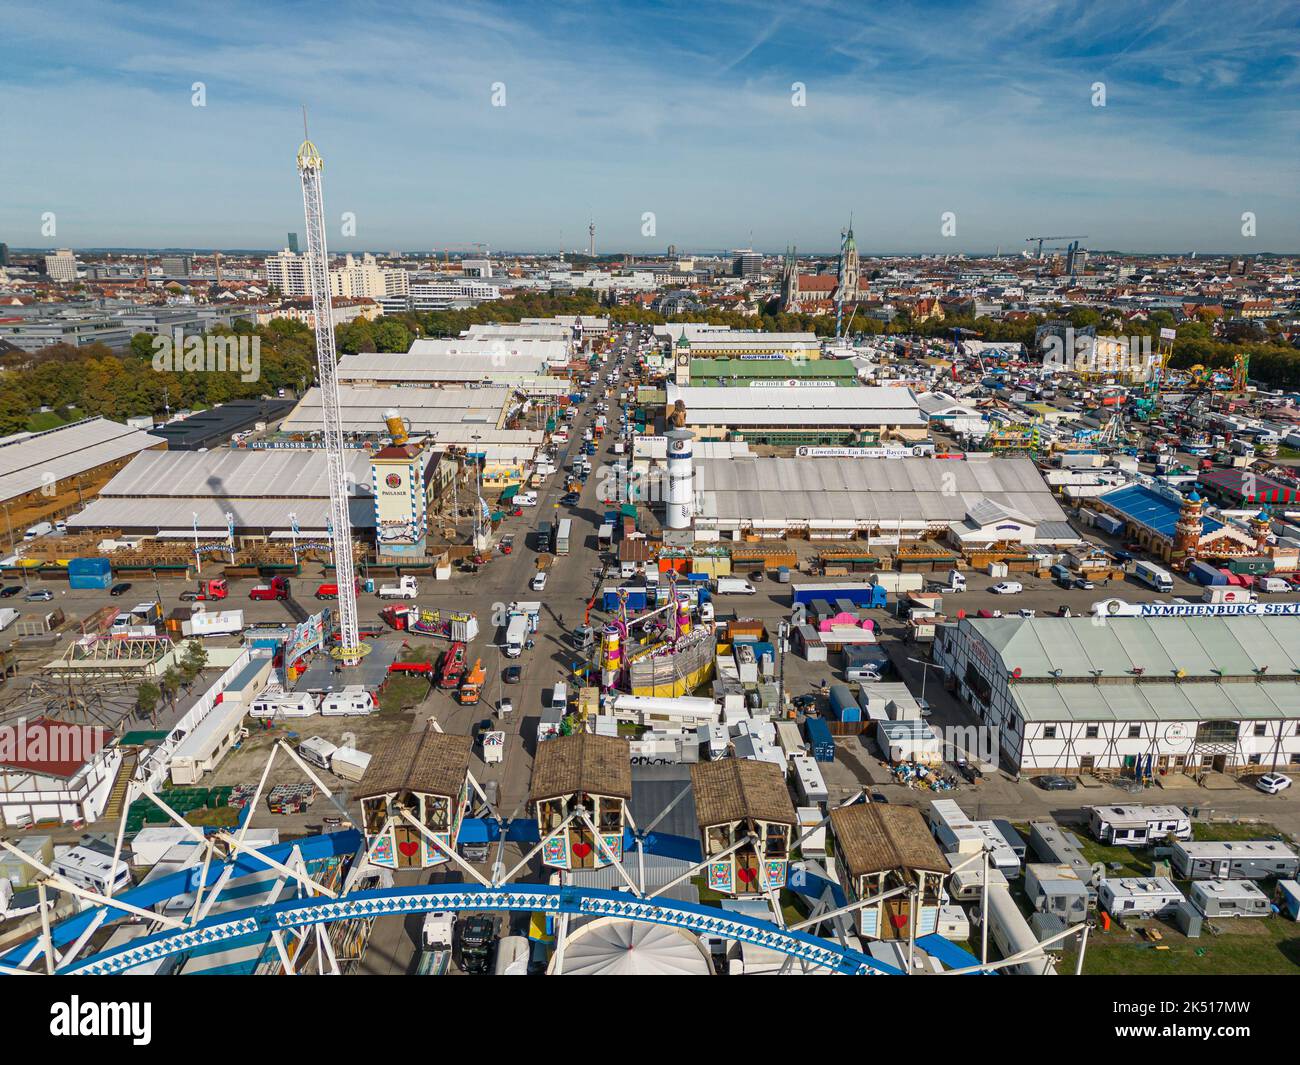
(147, 696)
(193, 662)
(169, 685)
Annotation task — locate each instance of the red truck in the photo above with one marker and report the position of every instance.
(216, 588)
(278, 588)
(331, 590)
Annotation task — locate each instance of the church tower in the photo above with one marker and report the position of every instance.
(790, 281)
(847, 286)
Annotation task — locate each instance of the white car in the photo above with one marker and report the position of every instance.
(1007, 588)
(528, 499)
(1272, 783)
(505, 706)
(1025, 612)
(538, 583)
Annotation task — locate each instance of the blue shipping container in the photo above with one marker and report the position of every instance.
(843, 705)
(820, 739)
(1204, 573)
(87, 566)
(93, 581)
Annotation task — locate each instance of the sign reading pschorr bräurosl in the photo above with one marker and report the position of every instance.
(1118, 608)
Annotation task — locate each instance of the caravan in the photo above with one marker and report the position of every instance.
(352, 701)
(89, 869)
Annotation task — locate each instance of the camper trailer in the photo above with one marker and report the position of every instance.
(1139, 896)
(953, 829)
(352, 701)
(1238, 860)
(966, 881)
(1011, 933)
(89, 869)
(1058, 890)
(1230, 898)
(1137, 826)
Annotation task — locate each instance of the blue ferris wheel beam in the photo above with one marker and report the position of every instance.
(398, 901)
(146, 896)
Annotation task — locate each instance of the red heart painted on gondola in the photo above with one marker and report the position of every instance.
(582, 849)
(745, 875)
(408, 848)
(898, 920)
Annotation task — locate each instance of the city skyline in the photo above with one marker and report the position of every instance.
(903, 120)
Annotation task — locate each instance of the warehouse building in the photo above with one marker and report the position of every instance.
(711, 341)
(1134, 696)
(765, 373)
(884, 500)
(46, 475)
(524, 365)
(215, 427)
(1171, 526)
(184, 495)
(786, 414)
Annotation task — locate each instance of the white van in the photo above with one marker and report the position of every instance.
(41, 528)
(734, 586)
(1272, 585)
(352, 701)
(560, 697)
(1007, 588)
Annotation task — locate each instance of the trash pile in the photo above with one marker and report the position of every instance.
(916, 775)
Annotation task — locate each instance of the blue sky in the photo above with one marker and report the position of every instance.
(680, 109)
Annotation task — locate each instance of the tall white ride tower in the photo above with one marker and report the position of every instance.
(350, 649)
(681, 479)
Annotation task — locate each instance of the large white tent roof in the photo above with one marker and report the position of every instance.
(611, 946)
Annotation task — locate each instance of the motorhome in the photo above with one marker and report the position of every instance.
(89, 869)
(1230, 898)
(352, 701)
(1138, 896)
(1011, 933)
(1137, 826)
(1237, 860)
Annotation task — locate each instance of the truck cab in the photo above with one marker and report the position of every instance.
(276, 588)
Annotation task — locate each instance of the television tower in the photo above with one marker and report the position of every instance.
(350, 649)
(591, 239)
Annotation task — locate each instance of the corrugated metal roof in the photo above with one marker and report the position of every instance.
(1148, 507)
(866, 490)
(29, 461)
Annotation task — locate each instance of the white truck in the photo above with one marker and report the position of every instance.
(213, 623)
(494, 747)
(405, 588)
(516, 635)
(8, 615)
(435, 944)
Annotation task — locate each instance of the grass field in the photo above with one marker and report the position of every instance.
(1264, 946)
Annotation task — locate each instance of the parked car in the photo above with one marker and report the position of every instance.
(1084, 584)
(804, 702)
(1123, 556)
(538, 583)
(507, 544)
(41, 595)
(570, 499)
(968, 772)
(1272, 783)
(512, 674)
(120, 589)
(10, 591)
(505, 706)
(1055, 783)
(1007, 588)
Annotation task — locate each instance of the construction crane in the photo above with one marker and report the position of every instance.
(1064, 236)
(350, 649)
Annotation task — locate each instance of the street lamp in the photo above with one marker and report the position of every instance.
(925, 668)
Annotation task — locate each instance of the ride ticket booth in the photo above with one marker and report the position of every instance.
(425, 777)
(588, 773)
(880, 848)
(737, 798)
